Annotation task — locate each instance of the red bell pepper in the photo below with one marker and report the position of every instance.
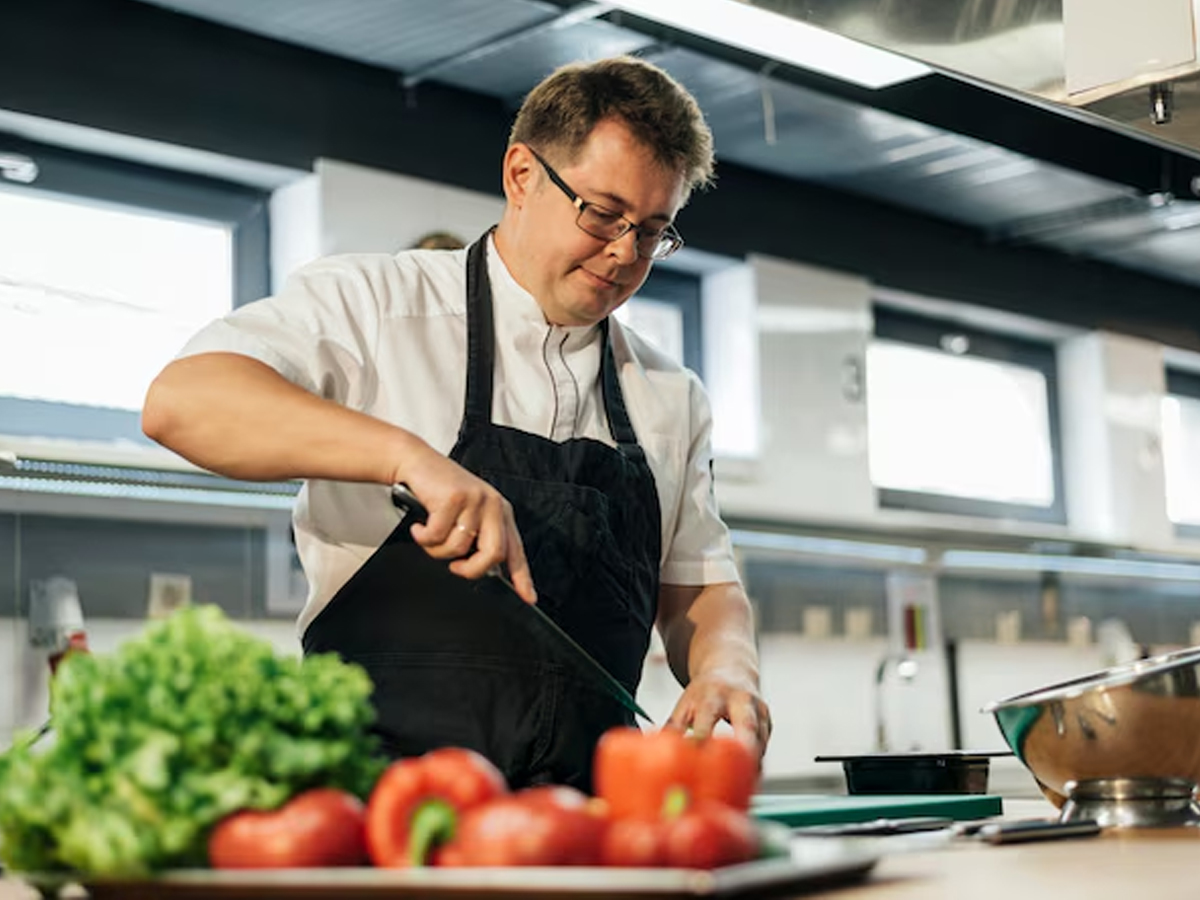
(705, 836)
(418, 803)
(651, 775)
(540, 826)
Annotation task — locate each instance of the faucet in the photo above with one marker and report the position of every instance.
(906, 670)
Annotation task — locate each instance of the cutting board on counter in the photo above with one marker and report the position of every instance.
(825, 809)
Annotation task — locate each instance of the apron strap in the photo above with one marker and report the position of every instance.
(481, 343)
(480, 336)
(614, 401)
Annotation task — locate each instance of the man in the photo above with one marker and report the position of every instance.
(538, 433)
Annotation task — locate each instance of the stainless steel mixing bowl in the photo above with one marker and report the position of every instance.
(1139, 720)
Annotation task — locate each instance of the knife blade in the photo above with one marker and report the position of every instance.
(413, 512)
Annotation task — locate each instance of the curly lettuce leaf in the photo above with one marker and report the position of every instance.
(158, 741)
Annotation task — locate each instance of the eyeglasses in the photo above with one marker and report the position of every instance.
(607, 225)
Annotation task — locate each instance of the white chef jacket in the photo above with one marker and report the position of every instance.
(387, 335)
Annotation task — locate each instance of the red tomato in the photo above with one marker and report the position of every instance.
(541, 826)
(706, 836)
(318, 828)
(638, 843)
(711, 835)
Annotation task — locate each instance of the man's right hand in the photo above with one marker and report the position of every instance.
(240, 418)
(469, 521)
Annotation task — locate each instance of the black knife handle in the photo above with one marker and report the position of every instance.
(413, 512)
(411, 509)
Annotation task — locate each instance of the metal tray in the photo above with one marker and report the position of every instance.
(815, 862)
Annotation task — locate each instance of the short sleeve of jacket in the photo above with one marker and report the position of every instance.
(700, 550)
(319, 332)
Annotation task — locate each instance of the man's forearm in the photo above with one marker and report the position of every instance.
(238, 417)
(707, 631)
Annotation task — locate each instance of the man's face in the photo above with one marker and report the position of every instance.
(579, 279)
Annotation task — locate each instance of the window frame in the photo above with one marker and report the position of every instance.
(1186, 384)
(682, 289)
(927, 332)
(70, 174)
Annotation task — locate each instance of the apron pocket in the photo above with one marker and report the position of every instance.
(495, 706)
(568, 534)
(581, 716)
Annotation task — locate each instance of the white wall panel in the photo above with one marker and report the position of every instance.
(813, 329)
(1112, 388)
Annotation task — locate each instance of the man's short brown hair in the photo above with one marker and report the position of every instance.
(563, 109)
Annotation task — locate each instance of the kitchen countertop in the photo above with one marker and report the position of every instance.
(1108, 867)
(1113, 866)
(1116, 865)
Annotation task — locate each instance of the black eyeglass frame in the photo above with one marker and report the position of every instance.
(668, 237)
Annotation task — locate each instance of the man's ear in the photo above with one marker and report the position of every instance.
(518, 174)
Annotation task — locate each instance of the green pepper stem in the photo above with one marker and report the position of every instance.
(432, 825)
(675, 802)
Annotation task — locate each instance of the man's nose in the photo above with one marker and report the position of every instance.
(624, 248)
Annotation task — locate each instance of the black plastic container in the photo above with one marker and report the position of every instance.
(950, 772)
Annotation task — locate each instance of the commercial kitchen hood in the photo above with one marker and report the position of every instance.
(1134, 65)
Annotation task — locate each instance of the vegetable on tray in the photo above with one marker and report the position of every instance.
(551, 825)
(418, 802)
(675, 800)
(320, 828)
(706, 835)
(651, 774)
(157, 742)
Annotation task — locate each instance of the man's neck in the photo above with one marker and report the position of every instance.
(510, 258)
(506, 247)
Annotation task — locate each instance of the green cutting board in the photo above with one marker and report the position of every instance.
(824, 809)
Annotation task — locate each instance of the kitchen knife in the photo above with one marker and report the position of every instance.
(413, 512)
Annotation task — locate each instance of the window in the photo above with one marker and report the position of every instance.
(1181, 450)
(962, 420)
(106, 268)
(666, 312)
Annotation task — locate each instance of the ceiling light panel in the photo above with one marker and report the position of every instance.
(781, 38)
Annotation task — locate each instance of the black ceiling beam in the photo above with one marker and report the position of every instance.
(138, 69)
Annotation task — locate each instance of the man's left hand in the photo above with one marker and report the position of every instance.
(724, 696)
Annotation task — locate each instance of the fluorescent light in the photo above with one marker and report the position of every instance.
(1072, 565)
(780, 38)
(18, 168)
(959, 161)
(796, 543)
(924, 147)
(117, 490)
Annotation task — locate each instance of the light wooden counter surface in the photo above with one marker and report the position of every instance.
(1133, 864)
(1128, 866)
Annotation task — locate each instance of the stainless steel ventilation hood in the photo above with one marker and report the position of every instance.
(1133, 64)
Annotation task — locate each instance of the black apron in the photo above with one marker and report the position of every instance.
(462, 663)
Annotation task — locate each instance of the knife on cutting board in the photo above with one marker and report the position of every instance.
(413, 512)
